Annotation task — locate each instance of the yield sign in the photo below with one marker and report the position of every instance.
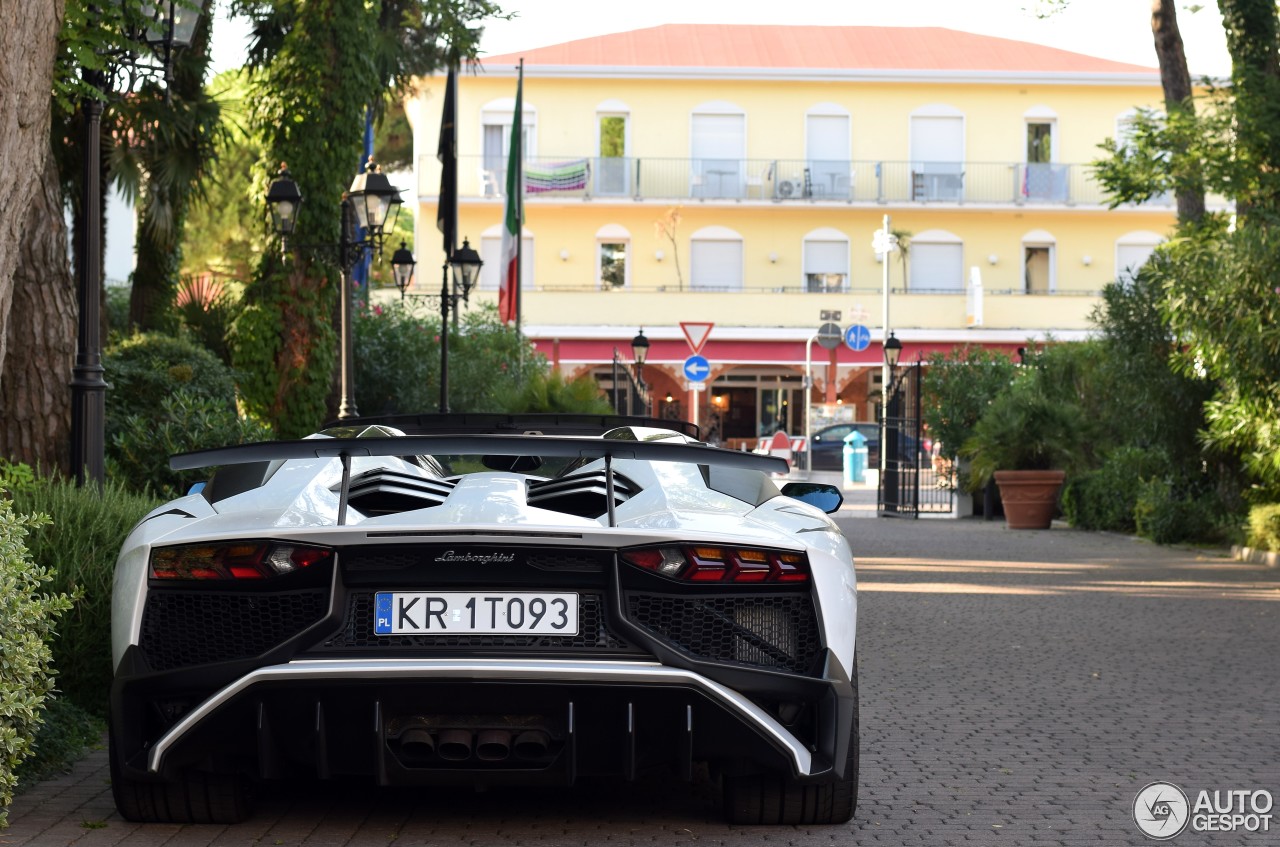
(696, 334)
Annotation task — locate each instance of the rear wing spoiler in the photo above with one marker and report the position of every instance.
(608, 449)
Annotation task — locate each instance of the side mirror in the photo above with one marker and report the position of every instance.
(826, 497)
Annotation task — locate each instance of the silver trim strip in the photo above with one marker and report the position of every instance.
(650, 673)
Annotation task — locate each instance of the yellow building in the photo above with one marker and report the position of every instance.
(779, 150)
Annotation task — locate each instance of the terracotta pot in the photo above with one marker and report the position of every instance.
(1029, 497)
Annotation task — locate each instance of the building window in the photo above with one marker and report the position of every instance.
(1039, 270)
(1039, 142)
(826, 261)
(937, 153)
(613, 264)
(718, 146)
(1133, 250)
(495, 132)
(491, 255)
(936, 263)
(827, 149)
(715, 260)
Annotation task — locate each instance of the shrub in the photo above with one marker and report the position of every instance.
(145, 368)
(66, 732)
(1105, 498)
(549, 391)
(1023, 429)
(184, 421)
(958, 388)
(1168, 514)
(207, 309)
(79, 552)
(28, 613)
(1264, 527)
(398, 362)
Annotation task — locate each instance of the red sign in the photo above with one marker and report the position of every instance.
(696, 334)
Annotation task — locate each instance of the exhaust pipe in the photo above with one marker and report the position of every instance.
(493, 745)
(532, 744)
(454, 745)
(417, 742)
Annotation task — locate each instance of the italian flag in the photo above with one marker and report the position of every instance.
(509, 288)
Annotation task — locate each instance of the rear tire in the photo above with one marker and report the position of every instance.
(772, 799)
(194, 797)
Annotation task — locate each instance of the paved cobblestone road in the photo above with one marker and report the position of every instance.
(1018, 688)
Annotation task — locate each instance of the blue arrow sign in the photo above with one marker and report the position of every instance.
(696, 368)
(858, 337)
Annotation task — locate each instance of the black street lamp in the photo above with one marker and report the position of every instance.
(367, 204)
(402, 268)
(169, 26)
(640, 352)
(466, 264)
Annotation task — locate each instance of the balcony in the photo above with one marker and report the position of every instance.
(781, 181)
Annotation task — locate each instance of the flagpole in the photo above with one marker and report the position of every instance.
(447, 219)
(518, 136)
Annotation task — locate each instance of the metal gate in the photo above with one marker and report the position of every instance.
(910, 482)
(627, 395)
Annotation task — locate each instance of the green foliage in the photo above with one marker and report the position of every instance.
(1170, 514)
(145, 368)
(549, 391)
(958, 387)
(225, 232)
(1217, 283)
(1264, 527)
(1024, 428)
(66, 733)
(1105, 499)
(398, 362)
(28, 614)
(117, 309)
(78, 552)
(15, 477)
(184, 421)
(206, 309)
(1222, 301)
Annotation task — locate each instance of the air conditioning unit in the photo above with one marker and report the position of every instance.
(785, 188)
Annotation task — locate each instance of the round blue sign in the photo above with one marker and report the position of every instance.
(858, 337)
(696, 368)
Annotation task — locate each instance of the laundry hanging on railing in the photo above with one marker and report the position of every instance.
(556, 176)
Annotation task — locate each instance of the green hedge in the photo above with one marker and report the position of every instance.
(1105, 499)
(28, 613)
(1264, 527)
(79, 551)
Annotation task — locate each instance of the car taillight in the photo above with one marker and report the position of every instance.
(252, 560)
(698, 563)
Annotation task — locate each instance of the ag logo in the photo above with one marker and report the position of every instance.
(1161, 810)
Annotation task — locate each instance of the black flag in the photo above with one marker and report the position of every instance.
(447, 153)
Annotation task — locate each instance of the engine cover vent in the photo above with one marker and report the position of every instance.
(581, 494)
(386, 492)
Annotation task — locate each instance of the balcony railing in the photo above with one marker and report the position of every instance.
(781, 180)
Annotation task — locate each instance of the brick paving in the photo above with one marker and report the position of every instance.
(1018, 688)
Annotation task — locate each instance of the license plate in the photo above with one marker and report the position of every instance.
(451, 613)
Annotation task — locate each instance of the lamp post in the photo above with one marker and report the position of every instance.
(168, 27)
(890, 415)
(402, 268)
(466, 264)
(640, 352)
(366, 204)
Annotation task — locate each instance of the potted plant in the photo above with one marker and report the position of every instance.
(1026, 441)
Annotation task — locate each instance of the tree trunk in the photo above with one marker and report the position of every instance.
(28, 45)
(36, 426)
(1176, 81)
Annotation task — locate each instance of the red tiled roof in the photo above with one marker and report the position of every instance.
(813, 47)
